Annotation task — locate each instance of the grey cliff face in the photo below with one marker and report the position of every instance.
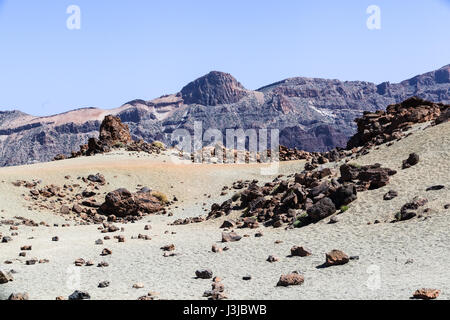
(311, 114)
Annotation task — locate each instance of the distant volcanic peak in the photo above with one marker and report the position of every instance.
(213, 89)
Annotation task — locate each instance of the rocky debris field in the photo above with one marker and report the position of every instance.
(85, 200)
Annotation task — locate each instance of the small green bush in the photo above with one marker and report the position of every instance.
(344, 208)
(158, 144)
(160, 196)
(119, 145)
(297, 224)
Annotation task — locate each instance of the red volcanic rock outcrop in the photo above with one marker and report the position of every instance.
(383, 126)
(113, 131)
(113, 134)
(213, 89)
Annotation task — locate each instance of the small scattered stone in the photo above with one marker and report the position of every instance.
(169, 247)
(106, 252)
(19, 296)
(291, 279)
(79, 295)
(204, 274)
(5, 277)
(300, 251)
(391, 194)
(426, 294)
(79, 262)
(435, 188)
(230, 237)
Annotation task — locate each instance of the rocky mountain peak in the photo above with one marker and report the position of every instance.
(213, 89)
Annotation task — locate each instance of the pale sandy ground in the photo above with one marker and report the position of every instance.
(380, 273)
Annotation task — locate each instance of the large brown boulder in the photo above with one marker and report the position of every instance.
(113, 131)
(122, 203)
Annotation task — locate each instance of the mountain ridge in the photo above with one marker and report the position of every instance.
(313, 114)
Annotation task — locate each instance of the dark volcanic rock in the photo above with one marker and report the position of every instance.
(204, 274)
(322, 209)
(412, 160)
(79, 295)
(391, 194)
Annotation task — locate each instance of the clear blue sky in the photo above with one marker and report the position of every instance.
(144, 49)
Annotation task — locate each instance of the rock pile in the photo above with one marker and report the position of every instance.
(307, 198)
(81, 201)
(383, 126)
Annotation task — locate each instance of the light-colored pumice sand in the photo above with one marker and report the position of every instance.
(383, 249)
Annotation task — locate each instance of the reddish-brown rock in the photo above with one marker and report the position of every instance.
(335, 258)
(291, 279)
(426, 294)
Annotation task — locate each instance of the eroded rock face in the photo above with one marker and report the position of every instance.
(213, 89)
(122, 203)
